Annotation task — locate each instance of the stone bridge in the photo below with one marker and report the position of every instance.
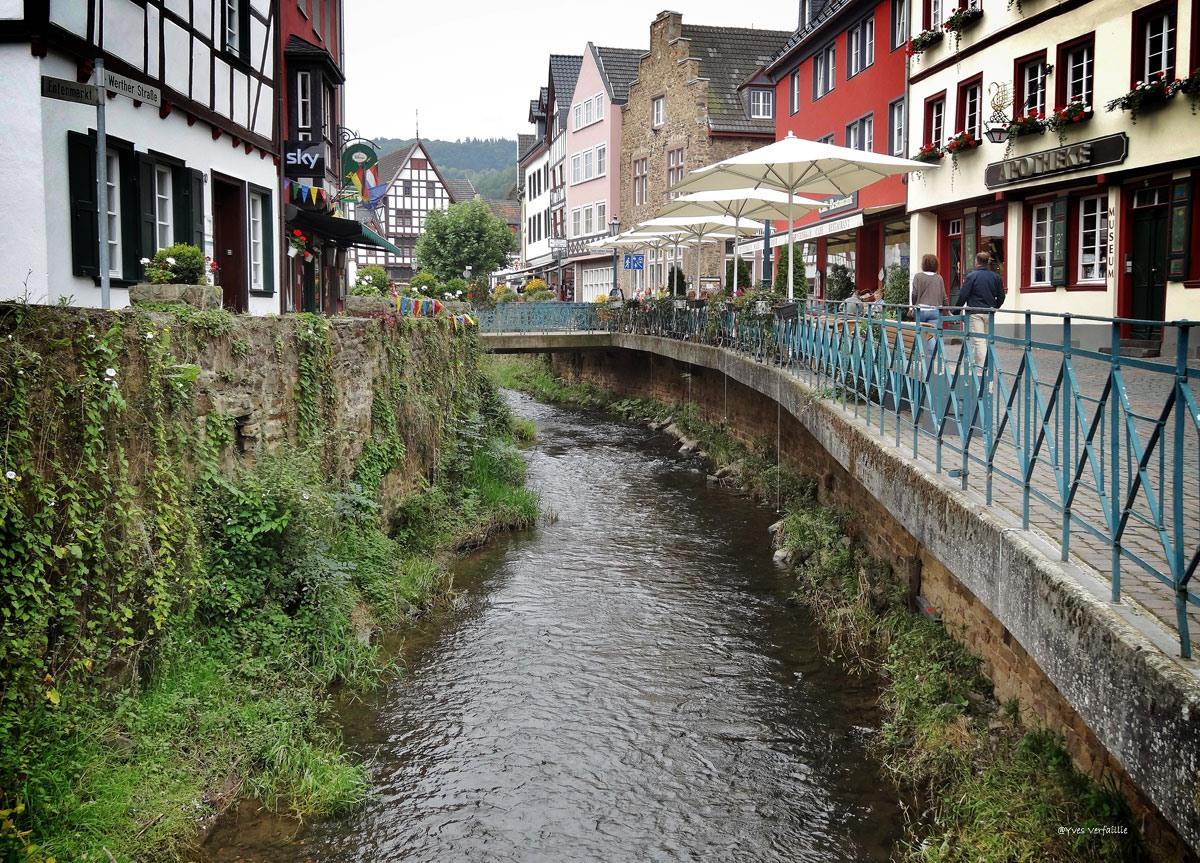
(986, 553)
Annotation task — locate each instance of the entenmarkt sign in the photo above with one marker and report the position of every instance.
(1096, 153)
(68, 91)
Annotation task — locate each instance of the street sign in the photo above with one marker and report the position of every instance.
(68, 91)
(135, 90)
(635, 262)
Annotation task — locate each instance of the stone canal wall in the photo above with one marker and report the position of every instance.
(1078, 665)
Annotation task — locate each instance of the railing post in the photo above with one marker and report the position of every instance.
(989, 403)
(1114, 412)
(1027, 420)
(1065, 459)
(1177, 561)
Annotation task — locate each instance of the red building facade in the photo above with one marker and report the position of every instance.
(841, 79)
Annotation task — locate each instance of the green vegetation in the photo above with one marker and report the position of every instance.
(839, 283)
(180, 264)
(800, 286)
(371, 281)
(489, 163)
(466, 235)
(743, 275)
(173, 619)
(994, 790)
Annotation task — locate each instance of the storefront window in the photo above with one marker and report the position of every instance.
(895, 244)
(991, 239)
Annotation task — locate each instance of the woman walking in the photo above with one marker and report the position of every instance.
(928, 295)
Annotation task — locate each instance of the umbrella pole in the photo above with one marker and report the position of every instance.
(791, 251)
(699, 249)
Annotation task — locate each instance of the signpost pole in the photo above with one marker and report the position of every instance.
(102, 184)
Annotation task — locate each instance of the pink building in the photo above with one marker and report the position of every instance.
(593, 159)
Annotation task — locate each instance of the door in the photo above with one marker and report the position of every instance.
(229, 242)
(955, 268)
(1148, 285)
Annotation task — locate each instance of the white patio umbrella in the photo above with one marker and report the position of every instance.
(794, 165)
(756, 204)
(651, 240)
(702, 228)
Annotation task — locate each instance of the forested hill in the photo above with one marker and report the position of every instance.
(489, 163)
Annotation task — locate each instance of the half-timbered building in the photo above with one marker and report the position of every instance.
(200, 168)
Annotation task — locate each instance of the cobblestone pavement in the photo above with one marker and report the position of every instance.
(1147, 392)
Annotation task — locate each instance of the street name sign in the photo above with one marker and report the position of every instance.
(68, 91)
(135, 90)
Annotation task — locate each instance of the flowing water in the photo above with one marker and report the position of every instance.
(628, 683)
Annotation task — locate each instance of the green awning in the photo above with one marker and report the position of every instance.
(344, 232)
(373, 239)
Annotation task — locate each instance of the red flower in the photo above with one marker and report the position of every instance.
(297, 233)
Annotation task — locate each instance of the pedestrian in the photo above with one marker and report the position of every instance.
(928, 295)
(982, 293)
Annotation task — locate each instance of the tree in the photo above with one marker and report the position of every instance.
(466, 235)
(799, 277)
(743, 272)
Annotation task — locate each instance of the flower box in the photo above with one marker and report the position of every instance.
(1072, 114)
(930, 153)
(962, 19)
(1030, 124)
(923, 41)
(961, 143)
(1146, 96)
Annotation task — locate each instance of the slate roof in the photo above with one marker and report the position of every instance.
(509, 211)
(297, 47)
(460, 189)
(619, 67)
(524, 143)
(391, 164)
(821, 12)
(564, 72)
(728, 56)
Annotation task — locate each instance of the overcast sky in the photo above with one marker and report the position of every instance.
(471, 66)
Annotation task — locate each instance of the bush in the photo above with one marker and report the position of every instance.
(504, 294)
(534, 286)
(371, 282)
(455, 289)
(743, 275)
(677, 283)
(180, 264)
(423, 283)
(839, 284)
(800, 287)
(540, 296)
(895, 286)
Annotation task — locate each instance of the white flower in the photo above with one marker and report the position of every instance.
(145, 261)
(10, 475)
(171, 261)
(110, 372)
(304, 496)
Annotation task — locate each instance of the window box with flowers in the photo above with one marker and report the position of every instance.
(1072, 114)
(1190, 87)
(1146, 96)
(962, 20)
(1029, 124)
(963, 142)
(922, 42)
(930, 154)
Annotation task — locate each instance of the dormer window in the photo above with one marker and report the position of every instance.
(762, 104)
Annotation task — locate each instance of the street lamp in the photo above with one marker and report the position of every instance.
(614, 228)
(998, 123)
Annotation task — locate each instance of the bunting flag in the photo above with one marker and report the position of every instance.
(304, 193)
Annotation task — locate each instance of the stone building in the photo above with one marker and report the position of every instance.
(687, 109)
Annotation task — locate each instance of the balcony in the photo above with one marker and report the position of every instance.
(577, 247)
(558, 195)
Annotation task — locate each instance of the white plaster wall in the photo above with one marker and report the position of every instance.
(23, 232)
(537, 207)
(12, 9)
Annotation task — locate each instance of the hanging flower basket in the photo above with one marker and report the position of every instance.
(308, 256)
(1072, 114)
(922, 42)
(1146, 96)
(293, 251)
(930, 153)
(1190, 87)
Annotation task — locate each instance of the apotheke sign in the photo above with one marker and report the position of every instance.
(1096, 153)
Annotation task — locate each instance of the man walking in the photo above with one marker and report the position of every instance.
(982, 292)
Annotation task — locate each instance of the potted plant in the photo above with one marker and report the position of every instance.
(922, 42)
(178, 274)
(930, 153)
(1033, 123)
(1069, 115)
(1146, 96)
(962, 20)
(300, 243)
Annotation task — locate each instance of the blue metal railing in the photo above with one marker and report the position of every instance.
(1037, 409)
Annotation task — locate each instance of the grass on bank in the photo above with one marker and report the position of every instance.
(993, 790)
(296, 573)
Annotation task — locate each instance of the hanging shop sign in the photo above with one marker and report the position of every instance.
(1096, 153)
(303, 159)
(360, 168)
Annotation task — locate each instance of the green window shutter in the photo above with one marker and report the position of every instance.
(969, 242)
(131, 239)
(1058, 248)
(85, 231)
(196, 180)
(181, 205)
(1179, 232)
(146, 216)
(268, 229)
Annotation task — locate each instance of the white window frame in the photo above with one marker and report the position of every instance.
(1081, 73)
(601, 216)
(601, 160)
(897, 120)
(599, 112)
(936, 16)
(860, 134)
(900, 22)
(578, 112)
(1033, 75)
(576, 168)
(825, 69)
(233, 26)
(795, 94)
(258, 261)
(639, 176)
(937, 123)
(762, 104)
(861, 46)
(658, 111)
(163, 207)
(577, 222)
(973, 110)
(113, 213)
(1041, 239)
(1165, 50)
(587, 113)
(304, 102)
(1098, 244)
(588, 165)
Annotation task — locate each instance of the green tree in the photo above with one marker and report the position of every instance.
(799, 279)
(743, 272)
(839, 283)
(466, 235)
(372, 281)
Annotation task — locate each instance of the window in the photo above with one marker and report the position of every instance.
(601, 160)
(970, 108)
(406, 188)
(601, 216)
(405, 218)
(1077, 65)
(1093, 239)
(860, 42)
(318, 15)
(588, 226)
(587, 112)
(934, 15)
(430, 189)
(599, 100)
(675, 167)
(860, 134)
(935, 119)
(327, 113)
(899, 23)
(896, 117)
(1040, 236)
(1158, 44)
(826, 139)
(658, 112)
(578, 111)
(1031, 87)
(233, 26)
(576, 222)
(762, 104)
(163, 236)
(824, 70)
(303, 101)
(113, 213)
(641, 182)
(257, 258)
(587, 165)
(795, 91)
(577, 168)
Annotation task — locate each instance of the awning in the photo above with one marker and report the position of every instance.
(821, 229)
(344, 232)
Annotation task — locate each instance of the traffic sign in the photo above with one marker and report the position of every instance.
(135, 90)
(635, 262)
(68, 91)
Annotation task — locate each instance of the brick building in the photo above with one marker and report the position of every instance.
(687, 108)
